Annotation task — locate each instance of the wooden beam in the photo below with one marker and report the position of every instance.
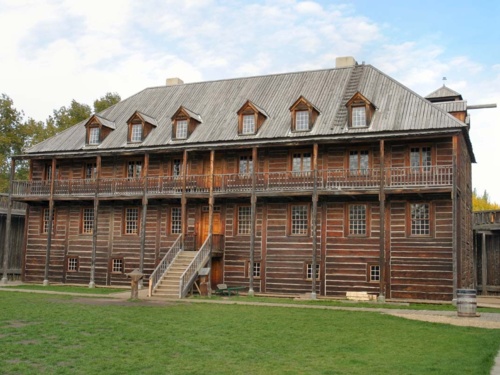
(383, 275)
(484, 265)
(454, 207)
(183, 198)
(94, 225)
(314, 220)
(211, 214)
(253, 222)
(8, 223)
(51, 216)
(144, 213)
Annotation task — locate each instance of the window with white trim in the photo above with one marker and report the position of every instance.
(300, 219)
(181, 129)
(87, 220)
(136, 133)
(357, 219)
(175, 220)
(72, 264)
(248, 126)
(117, 265)
(309, 271)
(358, 117)
(420, 219)
(131, 220)
(94, 135)
(302, 120)
(301, 162)
(374, 274)
(244, 219)
(256, 269)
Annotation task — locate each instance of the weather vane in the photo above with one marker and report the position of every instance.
(444, 81)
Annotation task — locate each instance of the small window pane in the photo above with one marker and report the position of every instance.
(175, 220)
(358, 117)
(309, 271)
(73, 264)
(182, 128)
(300, 220)
(374, 273)
(90, 170)
(88, 221)
(45, 223)
(256, 269)
(134, 169)
(248, 124)
(117, 266)
(357, 219)
(94, 136)
(131, 220)
(420, 219)
(136, 135)
(244, 220)
(302, 120)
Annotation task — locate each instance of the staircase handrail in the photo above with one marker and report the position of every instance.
(162, 267)
(196, 264)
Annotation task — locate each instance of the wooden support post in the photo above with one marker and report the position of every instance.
(94, 225)
(50, 226)
(210, 217)
(144, 212)
(454, 207)
(184, 199)
(484, 265)
(383, 273)
(253, 222)
(8, 223)
(314, 221)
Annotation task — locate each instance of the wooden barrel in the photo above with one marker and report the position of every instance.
(466, 302)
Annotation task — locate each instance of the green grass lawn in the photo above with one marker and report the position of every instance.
(66, 289)
(53, 334)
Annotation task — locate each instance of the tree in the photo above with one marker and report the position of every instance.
(483, 203)
(65, 117)
(106, 101)
(11, 141)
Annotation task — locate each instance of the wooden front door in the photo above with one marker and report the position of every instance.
(205, 225)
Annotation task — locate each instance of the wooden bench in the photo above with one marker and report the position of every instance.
(223, 289)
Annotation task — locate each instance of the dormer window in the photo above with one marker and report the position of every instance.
(139, 127)
(94, 135)
(360, 111)
(184, 122)
(250, 118)
(304, 115)
(97, 129)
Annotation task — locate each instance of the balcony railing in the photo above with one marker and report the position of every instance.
(488, 219)
(327, 181)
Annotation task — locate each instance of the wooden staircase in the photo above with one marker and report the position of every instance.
(169, 285)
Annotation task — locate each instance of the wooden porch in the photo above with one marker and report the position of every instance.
(486, 226)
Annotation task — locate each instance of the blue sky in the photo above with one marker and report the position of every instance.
(59, 50)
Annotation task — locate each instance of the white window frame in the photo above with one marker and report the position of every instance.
(248, 126)
(181, 130)
(136, 133)
(301, 120)
(94, 135)
(359, 117)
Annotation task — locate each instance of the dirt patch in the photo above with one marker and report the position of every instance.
(479, 322)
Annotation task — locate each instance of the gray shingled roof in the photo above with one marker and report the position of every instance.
(455, 106)
(398, 110)
(443, 92)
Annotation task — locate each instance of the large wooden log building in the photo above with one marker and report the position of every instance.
(318, 182)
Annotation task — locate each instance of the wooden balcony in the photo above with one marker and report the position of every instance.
(332, 181)
(486, 220)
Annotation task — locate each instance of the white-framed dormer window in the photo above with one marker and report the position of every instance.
(94, 135)
(358, 117)
(182, 129)
(248, 124)
(136, 133)
(302, 121)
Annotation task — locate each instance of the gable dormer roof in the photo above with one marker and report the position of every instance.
(102, 121)
(187, 113)
(443, 94)
(144, 118)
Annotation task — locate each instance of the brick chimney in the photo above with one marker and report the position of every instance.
(174, 81)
